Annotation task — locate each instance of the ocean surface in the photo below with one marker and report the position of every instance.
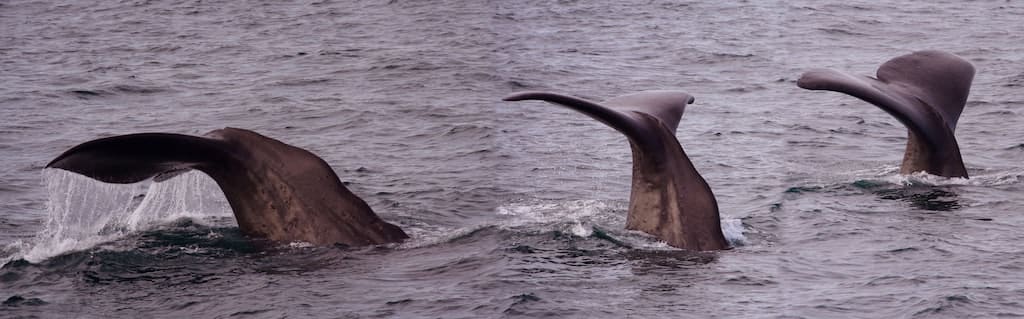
(516, 209)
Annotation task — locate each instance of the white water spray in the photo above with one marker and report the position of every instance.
(83, 213)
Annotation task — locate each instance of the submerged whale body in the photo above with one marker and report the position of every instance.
(926, 91)
(668, 198)
(276, 191)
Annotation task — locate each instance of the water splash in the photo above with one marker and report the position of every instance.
(577, 218)
(83, 213)
(441, 236)
(732, 228)
(890, 175)
(556, 213)
(986, 178)
(580, 217)
(922, 179)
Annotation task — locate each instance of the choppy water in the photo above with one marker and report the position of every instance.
(515, 209)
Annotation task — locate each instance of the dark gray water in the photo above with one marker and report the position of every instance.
(515, 209)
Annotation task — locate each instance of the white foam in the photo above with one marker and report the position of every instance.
(579, 217)
(552, 213)
(300, 244)
(992, 178)
(732, 228)
(923, 178)
(890, 174)
(11, 250)
(579, 230)
(83, 213)
(438, 236)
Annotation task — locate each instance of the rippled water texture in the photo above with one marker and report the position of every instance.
(515, 209)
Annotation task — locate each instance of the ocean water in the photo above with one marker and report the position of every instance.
(515, 209)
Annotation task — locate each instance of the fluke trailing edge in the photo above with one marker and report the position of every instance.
(669, 199)
(924, 90)
(276, 191)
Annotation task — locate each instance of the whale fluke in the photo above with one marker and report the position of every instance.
(668, 199)
(276, 191)
(924, 90)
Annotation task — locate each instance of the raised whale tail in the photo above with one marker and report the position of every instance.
(926, 91)
(669, 199)
(275, 190)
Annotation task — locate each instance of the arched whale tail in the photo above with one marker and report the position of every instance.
(275, 190)
(133, 158)
(926, 91)
(668, 199)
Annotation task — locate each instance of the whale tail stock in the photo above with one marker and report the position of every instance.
(924, 90)
(275, 190)
(668, 199)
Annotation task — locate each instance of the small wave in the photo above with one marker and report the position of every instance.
(18, 301)
(732, 55)
(89, 93)
(464, 129)
(840, 31)
(302, 82)
(746, 89)
(139, 89)
(1014, 81)
(440, 236)
(121, 89)
(951, 305)
(723, 57)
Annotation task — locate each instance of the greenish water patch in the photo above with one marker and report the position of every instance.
(187, 233)
(923, 198)
(868, 184)
(603, 235)
(803, 189)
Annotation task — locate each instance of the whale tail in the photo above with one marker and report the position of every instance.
(275, 190)
(926, 91)
(668, 199)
